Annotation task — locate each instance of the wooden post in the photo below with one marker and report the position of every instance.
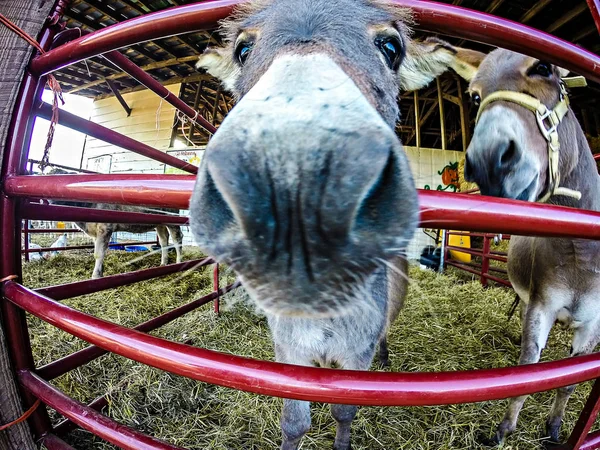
(417, 124)
(216, 105)
(442, 119)
(464, 116)
(196, 103)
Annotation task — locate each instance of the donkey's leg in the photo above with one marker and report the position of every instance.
(177, 237)
(536, 328)
(344, 414)
(384, 353)
(295, 415)
(585, 340)
(163, 240)
(103, 236)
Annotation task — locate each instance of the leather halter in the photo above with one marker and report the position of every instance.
(548, 121)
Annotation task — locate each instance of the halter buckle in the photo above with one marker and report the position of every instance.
(547, 123)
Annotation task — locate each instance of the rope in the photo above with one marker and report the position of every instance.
(52, 84)
(24, 417)
(8, 278)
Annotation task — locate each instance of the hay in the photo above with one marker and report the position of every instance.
(464, 185)
(446, 325)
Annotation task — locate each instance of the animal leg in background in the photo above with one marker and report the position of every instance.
(536, 328)
(177, 237)
(585, 339)
(103, 236)
(163, 239)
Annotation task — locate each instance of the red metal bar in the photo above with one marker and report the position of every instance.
(65, 425)
(308, 383)
(586, 419)
(86, 417)
(90, 128)
(70, 290)
(25, 232)
(66, 364)
(477, 252)
(439, 209)
(51, 230)
(594, 6)
(151, 190)
(592, 441)
(132, 69)
(477, 272)
(431, 16)
(477, 266)
(38, 211)
(14, 162)
(216, 287)
(53, 442)
(82, 247)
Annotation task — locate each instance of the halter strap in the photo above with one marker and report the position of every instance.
(548, 121)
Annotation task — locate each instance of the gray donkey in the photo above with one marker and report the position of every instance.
(305, 190)
(517, 153)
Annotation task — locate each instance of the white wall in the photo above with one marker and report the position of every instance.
(425, 163)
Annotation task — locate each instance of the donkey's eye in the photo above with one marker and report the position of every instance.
(476, 99)
(542, 69)
(242, 51)
(391, 48)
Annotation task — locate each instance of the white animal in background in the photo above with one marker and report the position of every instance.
(35, 256)
(59, 243)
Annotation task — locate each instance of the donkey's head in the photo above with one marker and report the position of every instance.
(522, 120)
(305, 188)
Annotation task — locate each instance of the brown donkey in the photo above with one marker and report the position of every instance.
(528, 145)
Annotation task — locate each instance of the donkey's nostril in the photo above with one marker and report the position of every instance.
(508, 154)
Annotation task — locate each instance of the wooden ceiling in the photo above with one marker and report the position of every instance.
(171, 60)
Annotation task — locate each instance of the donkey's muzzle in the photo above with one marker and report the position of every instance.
(304, 182)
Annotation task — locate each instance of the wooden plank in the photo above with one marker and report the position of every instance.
(442, 118)
(417, 123)
(464, 116)
(532, 12)
(567, 17)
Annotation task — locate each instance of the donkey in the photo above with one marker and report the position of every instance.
(528, 145)
(102, 232)
(305, 190)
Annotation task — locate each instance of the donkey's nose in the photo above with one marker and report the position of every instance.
(314, 193)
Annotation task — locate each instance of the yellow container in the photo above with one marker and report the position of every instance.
(459, 241)
(60, 225)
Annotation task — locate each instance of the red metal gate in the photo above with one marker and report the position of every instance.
(439, 210)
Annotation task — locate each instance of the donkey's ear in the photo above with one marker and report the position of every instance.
(218, 62)
(562, 72)
(427, 60)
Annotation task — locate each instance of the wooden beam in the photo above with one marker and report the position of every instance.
(215, 106)
(566, 18)
(494, 5)
(442, 118)
(532, 12)
(147, 67)
(417, 124)
(120, 98)
(174, 80)
(196, 103)
(585, 32)
(464, 116)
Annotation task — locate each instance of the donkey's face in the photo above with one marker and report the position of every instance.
(508, 155)
(305, 189)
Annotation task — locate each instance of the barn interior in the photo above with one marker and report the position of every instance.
(439, 116)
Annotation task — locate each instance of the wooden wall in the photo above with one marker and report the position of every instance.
(151, 122)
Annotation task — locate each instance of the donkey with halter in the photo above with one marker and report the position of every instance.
(528, 145)
(305, 190)
(102, 232)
